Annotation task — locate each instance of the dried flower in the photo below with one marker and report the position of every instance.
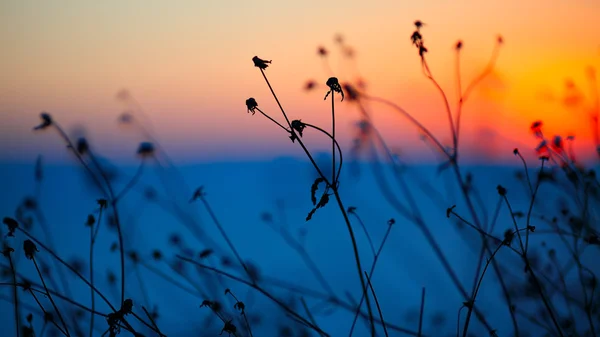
(310, 84)
(12, 225)
(557, 143)
(322, 51)
(30, 249)
(501, 190)
(536, 128)
(416, 37)
(157, 255)
(251, 105)
(298, 126)
(102, 203)
(199, 193)
(146, 149)
(260, 63)
(90, 220)
(127, 306)
(508, 237)
(6, 251)
(46, 121)
(205, 253)
(82, 146)
(229, 328)
(334, 86)
(353, 94)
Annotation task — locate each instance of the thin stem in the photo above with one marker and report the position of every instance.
(132, 182)
(15, 295)
(526, 172)
(534, 278)
(412, 120)
(463, 96)
(39, 243)
(153, 322)
(533, 195)
(446, 103)
(421, 311)
(476, 290)
(305, 257)
(92, 277)
(356, 255)
(371, 272)
(333, 142)
(50, 297)
(44, 310)
(224, 234)
(364, 228)
(256, 287)
(273, 120)
(377, 304)
(117, 222)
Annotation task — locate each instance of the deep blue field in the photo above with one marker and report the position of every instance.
(252, 201)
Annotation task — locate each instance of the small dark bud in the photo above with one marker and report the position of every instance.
(30, 249)
(501, 190)
(46, 121)
(12, 225)
(146, 149)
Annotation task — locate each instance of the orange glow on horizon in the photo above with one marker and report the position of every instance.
(189, 66)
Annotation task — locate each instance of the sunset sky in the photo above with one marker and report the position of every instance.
(188, 63)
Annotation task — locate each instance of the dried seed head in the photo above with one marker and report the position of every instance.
(298, 126)
(310, 84)
(12, 225)
(157, 255)
(260, 63)
(6, 251)
(353, 94)
(501, 190)
(90, 220)
(205, 253)
(229, 328)
(46, 121)
(30, 249)
(252, 105)
(146, 149)
(127, 306)
(334, 86)
(82, 146)
(102, 203)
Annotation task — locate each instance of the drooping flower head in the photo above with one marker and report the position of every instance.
(252, 105)
(260, 63)
(334, 86)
